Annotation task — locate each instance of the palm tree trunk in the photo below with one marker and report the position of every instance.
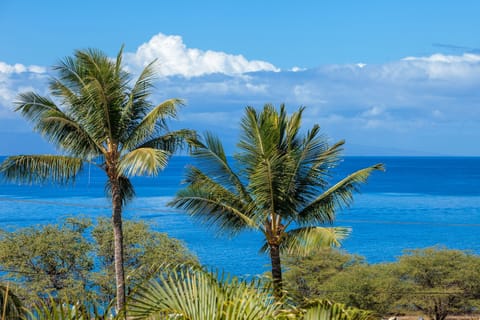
(276, 271)
(118, 244)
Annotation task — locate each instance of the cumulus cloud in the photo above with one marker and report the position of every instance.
(175, 58)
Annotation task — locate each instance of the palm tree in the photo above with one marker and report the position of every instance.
(280, 185)
(98, 116)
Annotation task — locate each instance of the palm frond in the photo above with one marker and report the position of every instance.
(103, 95)
(261, 159)
(213, 204)
(152, 122)
(33, 106)
(65, 309)
(137, 104)
(40, 168)
(302, 241)
(211, 157)
(259, 135)
(340, 195)
(171, 141)
(56, 125)
(66, 94)
(267, 184)
(71, 74)
(119, 59)
(143, 161)
(292, 127)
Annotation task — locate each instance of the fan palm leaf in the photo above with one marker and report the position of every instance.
(193, 293)
(328, 310)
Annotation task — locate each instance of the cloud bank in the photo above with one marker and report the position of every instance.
(174, 58)
(415, 106)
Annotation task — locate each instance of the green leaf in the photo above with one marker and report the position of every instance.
(195, 294)
(40, 168)
(340, 195)
(143, 161)
(152, 122)
(303, 241)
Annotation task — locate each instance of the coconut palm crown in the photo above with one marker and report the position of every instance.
(98, 115)
(279, 185)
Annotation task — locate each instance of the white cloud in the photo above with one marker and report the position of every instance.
(443, 67)
(15, 79)
(297, 69)
(436, 58)
(373, 112)
(174, 58)
(20, 68)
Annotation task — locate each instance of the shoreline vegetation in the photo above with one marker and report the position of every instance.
(435, 283)
(278, 183)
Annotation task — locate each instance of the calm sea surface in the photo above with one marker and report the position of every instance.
(417, 202)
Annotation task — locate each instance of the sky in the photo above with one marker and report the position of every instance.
(389, 77)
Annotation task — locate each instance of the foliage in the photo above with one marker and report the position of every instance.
(51, 260)
(369, 287)
(435, 281)
(65, 309)
(328, 310)
(279, 185)
(73, 261)
(145, 252)
(305, 275)
(442, 281)
(97, 114)
(195, 294)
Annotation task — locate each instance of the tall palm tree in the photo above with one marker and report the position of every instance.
(99, 116)
(279, 185)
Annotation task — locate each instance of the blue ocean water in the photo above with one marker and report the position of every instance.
(417, 202)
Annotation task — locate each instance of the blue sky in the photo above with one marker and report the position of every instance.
(390, 77)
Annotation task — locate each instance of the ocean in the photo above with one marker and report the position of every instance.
(418, 202)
